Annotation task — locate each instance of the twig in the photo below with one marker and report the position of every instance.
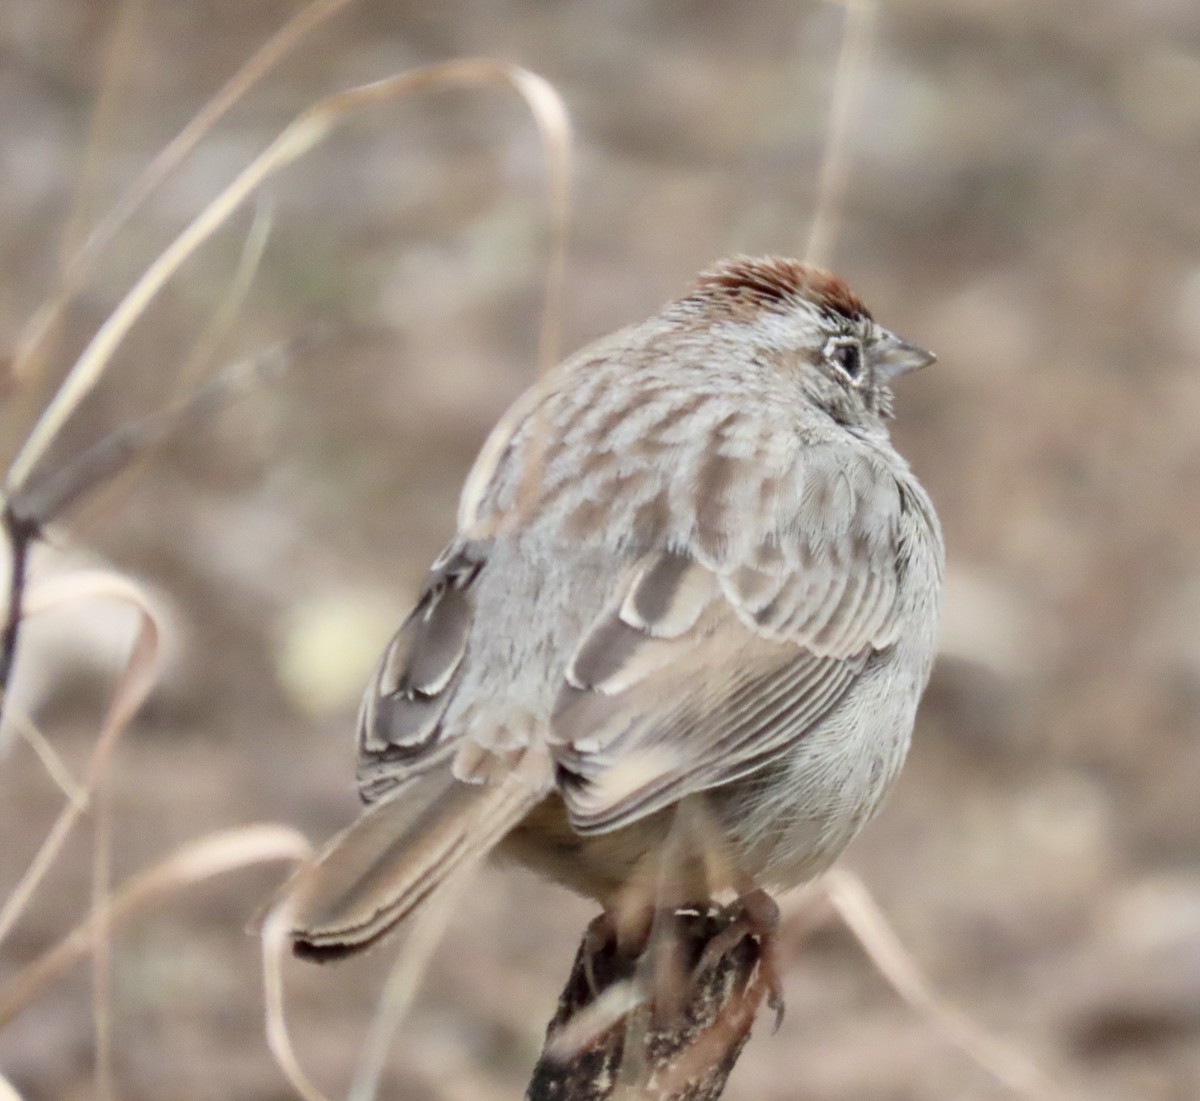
(132, 687)
(21, 534)
(1005, 1062)
(684, 1055)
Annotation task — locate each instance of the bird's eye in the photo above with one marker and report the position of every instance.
(846, 354)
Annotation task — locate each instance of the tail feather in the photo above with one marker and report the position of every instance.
(371, 876)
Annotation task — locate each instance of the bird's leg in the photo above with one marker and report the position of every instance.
(755, 915)
(601, 936)
(621, 931)
(645, 943)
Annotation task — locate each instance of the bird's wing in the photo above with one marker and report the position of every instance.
(700, 671)
(398, 724)
(423, 825)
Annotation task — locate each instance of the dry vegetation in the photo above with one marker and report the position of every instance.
(1019, 194)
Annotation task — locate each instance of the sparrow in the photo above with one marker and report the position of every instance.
(692, 581)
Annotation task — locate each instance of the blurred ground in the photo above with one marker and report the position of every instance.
(1022, 200)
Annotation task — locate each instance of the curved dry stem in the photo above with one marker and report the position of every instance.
(199, 860)
(132, 687)
(303, 134)
(33, 344)
(168, 159)
(427, 928)
(1004, 1062)
(100, 928)
(276, 941)
(835, 164)
(54, 765)
(230, 305)
(119, 457)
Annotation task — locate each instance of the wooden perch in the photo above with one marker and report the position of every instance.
(614, 1036)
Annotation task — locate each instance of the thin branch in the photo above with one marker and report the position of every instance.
(684, 1053)
(21, 534)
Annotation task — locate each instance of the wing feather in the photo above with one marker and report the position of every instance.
(699, 673)
(402, 709)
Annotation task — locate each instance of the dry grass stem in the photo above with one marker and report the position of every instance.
(205, 348)
(33, 344)
(276, 946)
(426, 929)
(48, 496)
(20, 535)
(54, 765)
(100, 929)
(594, 1020)
(835, 164)
(133, 685)
(43, 501)
(200, 860)
(1009, 1066)
(302, 135)
(118, 457)
(168, 159)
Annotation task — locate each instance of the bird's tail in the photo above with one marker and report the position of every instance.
(374, 874)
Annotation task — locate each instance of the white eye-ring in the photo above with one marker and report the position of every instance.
(846, 354)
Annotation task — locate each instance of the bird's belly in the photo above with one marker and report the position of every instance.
(790, 822)
(600, 866)
(776, 829)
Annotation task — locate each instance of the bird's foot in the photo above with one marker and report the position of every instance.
(754, 915)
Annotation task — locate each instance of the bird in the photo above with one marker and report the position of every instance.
(692, 582)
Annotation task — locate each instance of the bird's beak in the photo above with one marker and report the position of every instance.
(893, 356)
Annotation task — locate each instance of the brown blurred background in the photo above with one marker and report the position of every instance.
(1023, 198)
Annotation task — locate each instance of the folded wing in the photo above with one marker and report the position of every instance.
(700, 672)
